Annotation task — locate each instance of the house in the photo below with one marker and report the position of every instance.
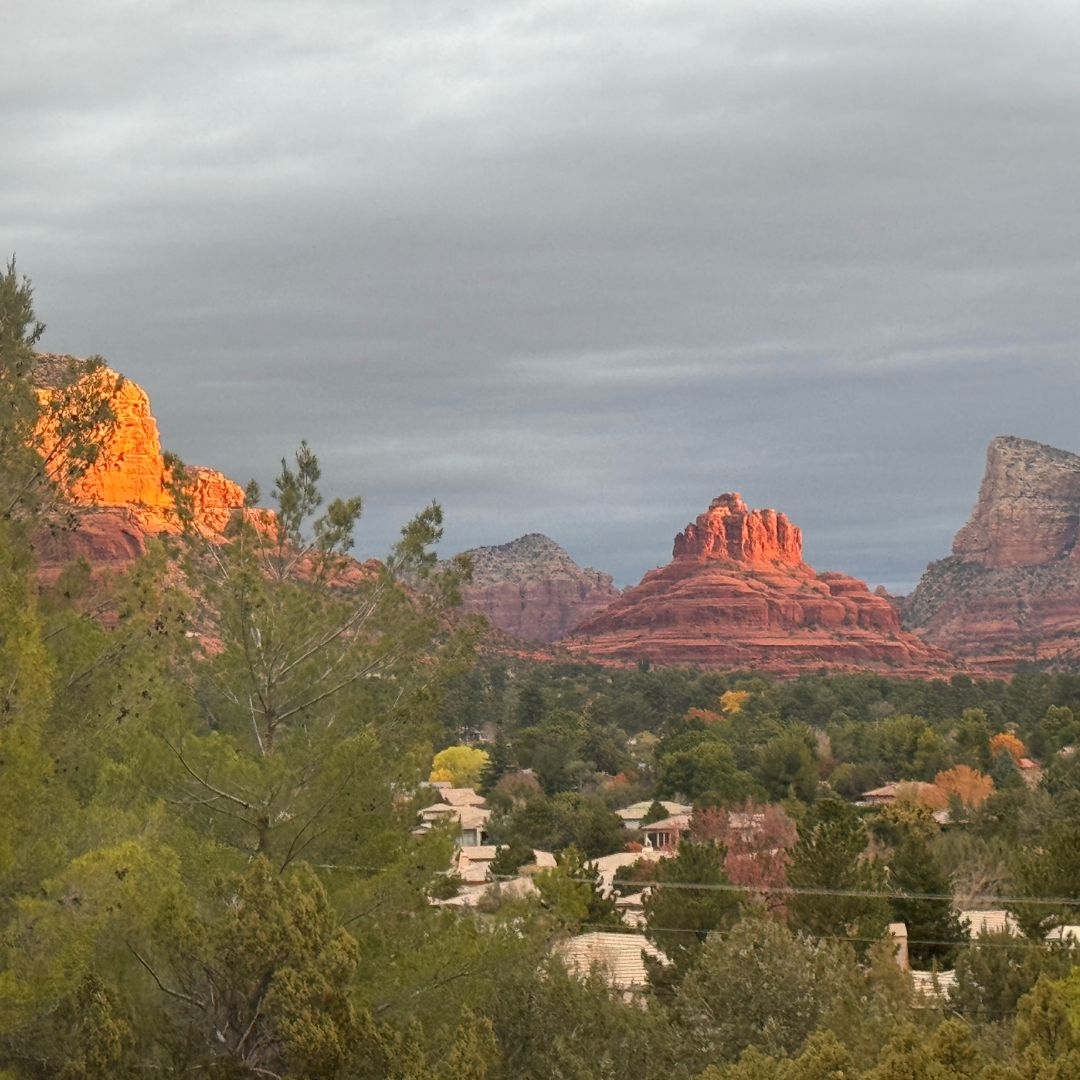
(607, 865)
(632, 909)
(461, 796)
(493, 892)
(619, 958)
(632, 816)
(665, 835)
(473, 820)
(472, 862)
(1069, 933)
(1030, 771)
(988, 922)
(461, 804)
(932, 987)
(882, 796)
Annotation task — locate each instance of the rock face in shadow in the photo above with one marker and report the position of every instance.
(737, 594)
(1010, 592)
(532, 588)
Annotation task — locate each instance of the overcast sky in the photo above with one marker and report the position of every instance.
(568, 267)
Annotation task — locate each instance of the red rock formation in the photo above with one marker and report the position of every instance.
(737, 594)
(1010, 592)
(1028, 508)
(126, 496)
(729, 530)
(531, 588)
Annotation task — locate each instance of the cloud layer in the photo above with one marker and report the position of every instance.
(569, 267)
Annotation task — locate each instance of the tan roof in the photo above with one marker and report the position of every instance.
(608, 864)
(989, 922)
(670, 824)
(638, 810)
(617, 956)
(515, 889)
(1065, 933)
(886, 792)
(478, 852)
(473, 817)
(461, 796)
(933, 985)
(436, 810)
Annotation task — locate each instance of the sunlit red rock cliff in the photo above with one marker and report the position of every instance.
(1010, 592)
(738, 594)
(126, 495)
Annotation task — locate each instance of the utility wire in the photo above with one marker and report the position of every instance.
(797, 890)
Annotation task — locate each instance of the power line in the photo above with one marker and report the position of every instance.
(797, 890)
(967, 943)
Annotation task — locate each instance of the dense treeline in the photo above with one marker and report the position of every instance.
(209, 778)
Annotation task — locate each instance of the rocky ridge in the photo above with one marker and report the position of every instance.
(532, 588)
(738, 594)
(1010, 591)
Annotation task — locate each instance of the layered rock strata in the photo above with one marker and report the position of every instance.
(532, 588)
(1009, 594)
(737, 594)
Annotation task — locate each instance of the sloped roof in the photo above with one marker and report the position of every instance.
(989, 922)
(473, 817)
(617, 956)
(638, 810)
(461, 796)
(886, 792)
(478, 852)
(515, 889)
(1065, 933)
(670, 824)
(933, 986)
(608, 864)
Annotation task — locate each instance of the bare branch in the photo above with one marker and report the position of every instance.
(161, 986)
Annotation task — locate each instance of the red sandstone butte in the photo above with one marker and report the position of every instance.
(737, 594)
(1009, 595)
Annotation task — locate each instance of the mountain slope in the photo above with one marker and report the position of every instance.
(532, 588)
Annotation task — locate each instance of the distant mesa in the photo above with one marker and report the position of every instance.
(1010, 592)
(738, 594)
(532, 588)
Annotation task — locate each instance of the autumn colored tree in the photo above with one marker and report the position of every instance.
(757, 838)
(732, 701)
(1008, 742)
(969, 785)
(462, 766)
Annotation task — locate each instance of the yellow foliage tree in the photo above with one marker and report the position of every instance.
(459, 765)
(969, 785)
(732, 701)
(1007, 741)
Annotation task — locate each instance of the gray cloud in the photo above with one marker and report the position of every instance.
(568, 267)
